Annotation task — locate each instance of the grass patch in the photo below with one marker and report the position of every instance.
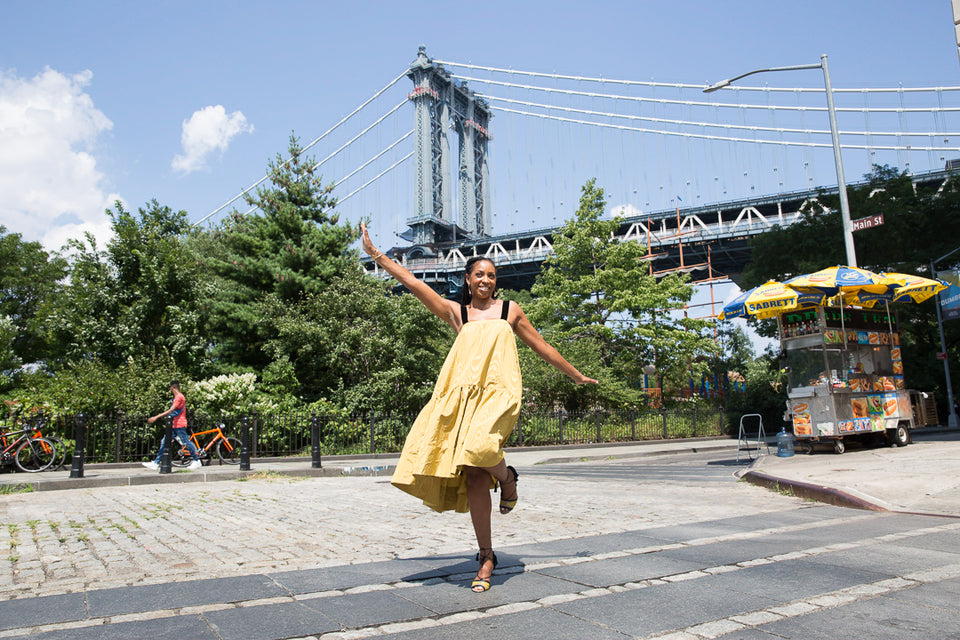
(263, 475)
(9, 489)
(784, 490)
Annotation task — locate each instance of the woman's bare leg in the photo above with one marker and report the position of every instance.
(478, 496)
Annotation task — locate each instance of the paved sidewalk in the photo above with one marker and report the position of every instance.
(923, 477)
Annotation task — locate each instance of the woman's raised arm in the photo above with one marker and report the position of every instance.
(440, 307)
(526, 332)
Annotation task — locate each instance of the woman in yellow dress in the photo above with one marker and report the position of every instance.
(453, 455)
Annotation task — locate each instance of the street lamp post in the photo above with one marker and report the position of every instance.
(952, 420)
(838, 161)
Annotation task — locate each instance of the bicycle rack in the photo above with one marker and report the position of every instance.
(743, 440)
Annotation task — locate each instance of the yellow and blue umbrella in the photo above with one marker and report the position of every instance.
(908, 288)
(839, 280)
(915, 288)
(768, 301)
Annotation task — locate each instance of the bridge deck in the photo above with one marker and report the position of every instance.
(708, 242)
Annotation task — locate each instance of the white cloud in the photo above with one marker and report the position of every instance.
(209, 129)
(50, 188)
(625, 210)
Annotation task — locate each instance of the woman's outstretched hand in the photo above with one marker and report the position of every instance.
(582, 379)
(365, 241)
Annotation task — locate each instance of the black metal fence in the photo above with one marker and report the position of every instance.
(123, 438)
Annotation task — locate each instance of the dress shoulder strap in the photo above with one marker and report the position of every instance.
(505, 311)
(463, 313)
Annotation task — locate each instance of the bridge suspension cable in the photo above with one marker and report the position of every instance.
(377, 177)
(373, 159)
(715, 125)
(700, 103)
(361, 168)
(678, 85)
(701, 136)
(360, 135)
(305, 148)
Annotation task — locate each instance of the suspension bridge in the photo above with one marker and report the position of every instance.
(693, 176)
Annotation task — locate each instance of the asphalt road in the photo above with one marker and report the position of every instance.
(669, 546)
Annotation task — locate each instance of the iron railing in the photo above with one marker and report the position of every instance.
(128, 438)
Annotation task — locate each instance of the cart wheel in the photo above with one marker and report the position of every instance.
(900, 436)
(839, 447)
(808, 448)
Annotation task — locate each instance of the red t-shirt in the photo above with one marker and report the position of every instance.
(179, 411)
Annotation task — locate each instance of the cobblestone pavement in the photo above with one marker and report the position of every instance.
(66, 541)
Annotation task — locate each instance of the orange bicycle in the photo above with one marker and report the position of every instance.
(227, 447)
(27, 449)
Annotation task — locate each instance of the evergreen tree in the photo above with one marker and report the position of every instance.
(359, 347)
(290, 249)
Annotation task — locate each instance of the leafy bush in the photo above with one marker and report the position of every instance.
(91, 388)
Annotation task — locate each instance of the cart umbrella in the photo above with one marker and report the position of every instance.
(909, 288)
(915, 288)
(768, 301)
(837, 280)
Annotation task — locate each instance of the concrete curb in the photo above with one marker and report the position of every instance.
(809, 491)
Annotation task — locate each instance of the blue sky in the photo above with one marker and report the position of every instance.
(186, 102)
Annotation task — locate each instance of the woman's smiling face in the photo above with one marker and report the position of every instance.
(482, 280)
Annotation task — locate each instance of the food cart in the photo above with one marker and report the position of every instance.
(842, 351)
(845, 376)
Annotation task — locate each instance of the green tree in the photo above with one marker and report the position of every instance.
(158, 285)
(292, 249)
(137, 298)
(357, 346)
(82, 320)
(765, 393)
(735, 348)
(9, 361)
(597, 292)
(137, 388)
(29, 277)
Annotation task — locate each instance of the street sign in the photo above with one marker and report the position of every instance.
(941, 355)
(866, 223)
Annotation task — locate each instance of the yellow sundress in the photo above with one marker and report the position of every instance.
(472, 412)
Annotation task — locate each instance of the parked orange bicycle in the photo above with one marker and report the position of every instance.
(27, 449)
(227, 447)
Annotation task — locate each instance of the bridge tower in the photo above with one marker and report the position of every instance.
(442, 105)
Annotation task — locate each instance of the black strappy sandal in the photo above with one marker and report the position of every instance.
(479, 585)
(506, 506)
